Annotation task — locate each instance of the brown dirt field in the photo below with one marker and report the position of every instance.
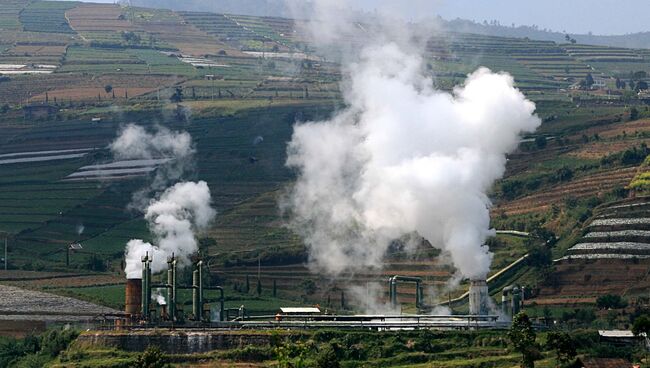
(98, 17)
(90, 93)
(583, 279)
(19, 89)
(187, 38)
(80, 281)
(17, 275)
(35, 50)
(597, 150)
(591, 185)
(614, 130)
(561, 301)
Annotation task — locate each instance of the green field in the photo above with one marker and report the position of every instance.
(47, 16)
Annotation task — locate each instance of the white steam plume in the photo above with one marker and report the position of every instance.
(173, 218)
(136, 143)
(403, 158)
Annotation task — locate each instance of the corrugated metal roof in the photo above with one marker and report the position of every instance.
(616, 333)
(307, 310)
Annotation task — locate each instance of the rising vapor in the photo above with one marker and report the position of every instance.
(402, 158)
(173, 213)
(173, 218)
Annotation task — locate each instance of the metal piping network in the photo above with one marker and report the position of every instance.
(198, 302)
(392, 289)
(515, 294)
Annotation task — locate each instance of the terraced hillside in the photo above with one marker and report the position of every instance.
(618, 231)
(47, 16)
(9, 14)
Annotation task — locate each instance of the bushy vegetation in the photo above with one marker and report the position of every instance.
(35, 351)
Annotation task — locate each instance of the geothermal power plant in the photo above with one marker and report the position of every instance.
(150, 304)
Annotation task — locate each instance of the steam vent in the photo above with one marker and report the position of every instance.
(133, 299)
(478, 297)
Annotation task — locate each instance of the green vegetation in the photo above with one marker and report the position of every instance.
(47, 16)
(35, 351)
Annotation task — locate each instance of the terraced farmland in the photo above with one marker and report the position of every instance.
(619, 230)
(602, 53)
(229, 31)
(98, 17)
(47, 16)
(9, 13)
(172, 29)
(588, 186)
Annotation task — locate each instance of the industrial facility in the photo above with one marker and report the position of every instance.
(142, 310)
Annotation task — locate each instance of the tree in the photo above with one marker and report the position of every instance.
(275, 288)
(632, 85)
(177, 96)
(327, 358)
(611, 301)
(618, 83)
(151, 358)
(563, 174)
(641, 326)
(309, 287)
(563, 344)
(108, 88)
(540, 142)
(259, 287)
(248, 284)
(589, 80)
(522, 336)
(540, 257)
(634, 113)
(641, 86)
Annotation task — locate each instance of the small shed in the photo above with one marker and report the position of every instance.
(303, 311)
(618, 337)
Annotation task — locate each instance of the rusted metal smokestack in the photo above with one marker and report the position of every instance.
(478, 297)
(133, 301)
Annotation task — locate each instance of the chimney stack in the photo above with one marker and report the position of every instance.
(478, 297)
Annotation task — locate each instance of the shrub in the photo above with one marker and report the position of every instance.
(151, 358)
(327, 358)
(611, 301)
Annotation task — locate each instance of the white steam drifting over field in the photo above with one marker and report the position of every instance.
(402, 158)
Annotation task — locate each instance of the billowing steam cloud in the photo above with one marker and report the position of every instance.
(176, 214)
(403, 158)
(175, 148)
(173, 218)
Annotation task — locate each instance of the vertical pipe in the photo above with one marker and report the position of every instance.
(148, 285)
(195, 296)
(170, 291)
(144, 308)
(174, 285)
(199, 266)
